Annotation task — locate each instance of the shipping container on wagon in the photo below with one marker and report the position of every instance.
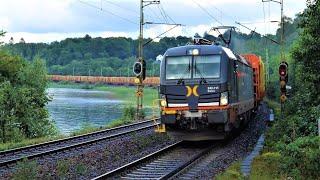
(258, 75)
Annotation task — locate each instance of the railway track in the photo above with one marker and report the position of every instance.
(9, 157)
(163, 164)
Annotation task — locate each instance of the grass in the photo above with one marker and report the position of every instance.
(266, 167)
(26, 142)
(232, 173)
(26, 170)
(274, 105)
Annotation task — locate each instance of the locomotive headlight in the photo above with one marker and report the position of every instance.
(224, 99)
(163, 103)
(194, 52)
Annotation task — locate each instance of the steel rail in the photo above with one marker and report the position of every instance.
(150, 160)
(140, 126)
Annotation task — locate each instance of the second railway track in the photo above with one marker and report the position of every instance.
(163, 164)
(14, 155)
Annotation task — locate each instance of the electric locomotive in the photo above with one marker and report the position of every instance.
(206, 91)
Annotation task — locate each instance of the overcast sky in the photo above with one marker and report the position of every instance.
(54, 20)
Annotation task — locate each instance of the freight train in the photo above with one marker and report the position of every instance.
(149, 81)
(207, 91)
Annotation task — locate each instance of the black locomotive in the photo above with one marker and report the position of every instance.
(206, 91)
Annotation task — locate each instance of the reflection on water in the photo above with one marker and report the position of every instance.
(73, 108)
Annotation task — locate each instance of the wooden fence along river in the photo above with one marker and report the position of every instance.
(149, 81)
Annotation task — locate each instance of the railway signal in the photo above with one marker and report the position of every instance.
(137, 68)
(283, 73)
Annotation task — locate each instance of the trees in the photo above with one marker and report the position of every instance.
(88, 54)
(295, 137)
(22, 99)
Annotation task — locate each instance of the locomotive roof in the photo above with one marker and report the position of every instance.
(204, 49)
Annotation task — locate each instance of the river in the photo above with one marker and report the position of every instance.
(72, 109)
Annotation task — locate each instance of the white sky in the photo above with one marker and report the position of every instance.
(55, 20)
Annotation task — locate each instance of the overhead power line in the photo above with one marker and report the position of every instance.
(254, 31)
(207, 12)
(166, 14)
(109, 12)
(146, 43)
(115, 4)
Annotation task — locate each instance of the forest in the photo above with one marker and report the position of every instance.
(115, 56)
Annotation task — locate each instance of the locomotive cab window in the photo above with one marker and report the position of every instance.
(206, 66)
(178, 67)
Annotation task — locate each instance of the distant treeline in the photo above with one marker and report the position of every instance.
(115, 56)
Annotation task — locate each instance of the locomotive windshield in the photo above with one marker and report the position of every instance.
(206, 66)
(179, 67)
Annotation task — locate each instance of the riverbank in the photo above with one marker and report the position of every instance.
(124, 93)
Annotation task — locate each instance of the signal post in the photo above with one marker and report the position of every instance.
(139, 67)
(283, 73)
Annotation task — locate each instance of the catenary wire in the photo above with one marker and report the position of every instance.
(109, 12)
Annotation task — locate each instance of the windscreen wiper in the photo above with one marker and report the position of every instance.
(181, 79)
(201, 76)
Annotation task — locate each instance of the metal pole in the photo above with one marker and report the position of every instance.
(282, 49)
(282, 33)
(282, 43)
(140, 59)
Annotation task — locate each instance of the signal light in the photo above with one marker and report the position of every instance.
(283, 72)
(137, 68)
(283, 98)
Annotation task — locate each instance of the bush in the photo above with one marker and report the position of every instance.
(301, 158)
(23, 99)
(301, 124)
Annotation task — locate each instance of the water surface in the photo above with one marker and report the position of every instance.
(73, 108)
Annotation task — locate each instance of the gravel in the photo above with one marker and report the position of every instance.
(235, 149)
(95, 159)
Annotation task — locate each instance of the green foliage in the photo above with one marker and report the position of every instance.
(301, 158)
(128, 116)
(295, 136)
(63, 168)
(266, 166)
(80, 168)
(25, 170)
(115, 56)
(85, 128)
(22, 99)
(233, 172)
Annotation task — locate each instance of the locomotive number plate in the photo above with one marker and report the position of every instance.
(212, 89)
